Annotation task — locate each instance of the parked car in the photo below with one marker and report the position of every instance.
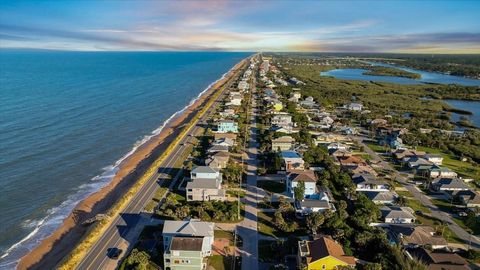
(114, 253)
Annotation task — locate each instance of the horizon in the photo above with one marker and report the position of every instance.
(414, 27)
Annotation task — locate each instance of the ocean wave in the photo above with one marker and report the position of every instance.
(44, 227)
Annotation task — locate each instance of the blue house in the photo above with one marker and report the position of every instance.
(226, 126)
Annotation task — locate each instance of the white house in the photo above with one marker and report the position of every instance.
(435, 159)
(205, 185)
(355, 106)
(295, 176)
(368, 182)
(282, 120)
(395, 214)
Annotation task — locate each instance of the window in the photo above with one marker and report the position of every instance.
(324, 266)
(167, 260)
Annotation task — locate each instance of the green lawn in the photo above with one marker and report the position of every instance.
(219, 262)
(377, 148)
(464, 169)
(413, 203)
(272, 186)
(223, 234)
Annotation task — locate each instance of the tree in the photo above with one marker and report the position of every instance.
(401, 200)
(299, 191)
(314, 221)
(138, 260)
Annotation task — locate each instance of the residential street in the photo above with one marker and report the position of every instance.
(247, 229)
(424, 199)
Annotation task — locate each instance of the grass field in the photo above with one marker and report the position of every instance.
(267, 227)
(219, 262)
(272, 186)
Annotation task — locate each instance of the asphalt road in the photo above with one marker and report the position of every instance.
(247, 229)
(117, 232)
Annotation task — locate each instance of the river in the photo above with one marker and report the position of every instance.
(426, 76)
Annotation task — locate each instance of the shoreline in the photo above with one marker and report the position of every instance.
(53, 248)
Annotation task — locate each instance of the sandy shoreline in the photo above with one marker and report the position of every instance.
(53, 248)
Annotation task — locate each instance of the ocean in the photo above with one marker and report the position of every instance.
(67, 118)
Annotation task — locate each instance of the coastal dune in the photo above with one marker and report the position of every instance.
(58, 245)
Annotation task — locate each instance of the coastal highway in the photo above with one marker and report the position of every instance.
(130, 219)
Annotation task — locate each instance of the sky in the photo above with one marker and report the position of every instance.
(182, 25)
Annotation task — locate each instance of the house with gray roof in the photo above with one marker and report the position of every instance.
(395, 214)
(368, 182)
(413, 236)
(187, 244)
(381, 197)
(205, 185)
(448, 184)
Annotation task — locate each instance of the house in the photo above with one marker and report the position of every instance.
(323, 253)
(308, 103)
(217, 148)
(218, 161)
(243, 85)
(439, 259)
(351, 161)
(295, 97)
(295, 176)
(317, 202)
(413, 236)
(224, 142)
(235, 100)
(291, 160)
(394, 214)
(469, 198)
(218, 136)
(283, 143)
(415, 161)
(327, 138)
(337, 146)
(226, 126)
(435, 159)
(437, 171)
(205, 185)
(282, 120)
(354, 106)
(381, 197)
(448, 184)
(340, 153)
(227, 113)
(362, 169)
(368, 182)
(277, 105)
(187, 244)
(378, 122)
(401, 154)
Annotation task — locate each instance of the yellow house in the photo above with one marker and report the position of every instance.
(278, 106)
(323, 254)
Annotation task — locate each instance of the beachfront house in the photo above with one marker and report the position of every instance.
(322, 254)
(283, 143)
(187, 244)
(291, 160)
(308, 177)
(226, 126)
(282, 120)
(205, 185)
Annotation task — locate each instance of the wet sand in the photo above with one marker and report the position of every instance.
(55, 247)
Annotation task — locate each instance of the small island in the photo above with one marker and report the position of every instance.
(388, 71)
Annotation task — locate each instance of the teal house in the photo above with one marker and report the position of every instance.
(226, 126)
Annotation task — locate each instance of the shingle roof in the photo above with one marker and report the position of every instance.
(203, 183)
(397, 212)
(417, 235)
(187, 243)
(188, 227)
(305, 176)
(204, 169)
(324, 247)
(384, 196)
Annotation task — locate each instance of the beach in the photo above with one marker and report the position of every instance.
(55, 247)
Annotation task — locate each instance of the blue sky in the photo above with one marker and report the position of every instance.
(331, 26)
